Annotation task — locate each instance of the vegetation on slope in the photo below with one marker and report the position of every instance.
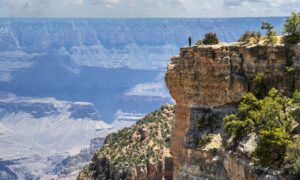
(275, 119)
(291, 29)
(250, 37)
(271, 33)
(209, 39)
(136, 148)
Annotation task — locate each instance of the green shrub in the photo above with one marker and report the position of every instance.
(296, 114)
(259, 114)
(238, 128)
(260, 88)
(203, 140)
(271, 32)
(273, 38)
(289, 69)
(296, 110)
(210, 39)
(249, 104)
(271, 147)
(271, 114)
(292, 28)
(249, 36)
(271, 118)
(293, 157)
(296, 97)
(199, 42)
(242, 123)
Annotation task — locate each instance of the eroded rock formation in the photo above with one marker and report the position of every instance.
(207, 83)
(140, 152)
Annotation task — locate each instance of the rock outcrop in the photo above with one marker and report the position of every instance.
(141, 152)
(207, 83)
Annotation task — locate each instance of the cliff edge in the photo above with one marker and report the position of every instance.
(207, 83)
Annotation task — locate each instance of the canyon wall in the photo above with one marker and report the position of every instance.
(207, 83)
(140, 152)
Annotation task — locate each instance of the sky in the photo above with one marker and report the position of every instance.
(147, 8)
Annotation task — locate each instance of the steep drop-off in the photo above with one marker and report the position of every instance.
(207, 83)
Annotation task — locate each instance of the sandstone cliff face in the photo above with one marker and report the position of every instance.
(207, 83)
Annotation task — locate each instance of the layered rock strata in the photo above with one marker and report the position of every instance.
(207, 83)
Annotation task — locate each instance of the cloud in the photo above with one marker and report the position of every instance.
(260, 3)
(233, 2)
(192, 4)
(262, 7)
(154, 89)
(102, 2)
(147, 8)
(36, 8)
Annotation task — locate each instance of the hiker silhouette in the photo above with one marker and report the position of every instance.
(190, 41)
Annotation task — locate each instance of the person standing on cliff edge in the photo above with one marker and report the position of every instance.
(190, 41)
